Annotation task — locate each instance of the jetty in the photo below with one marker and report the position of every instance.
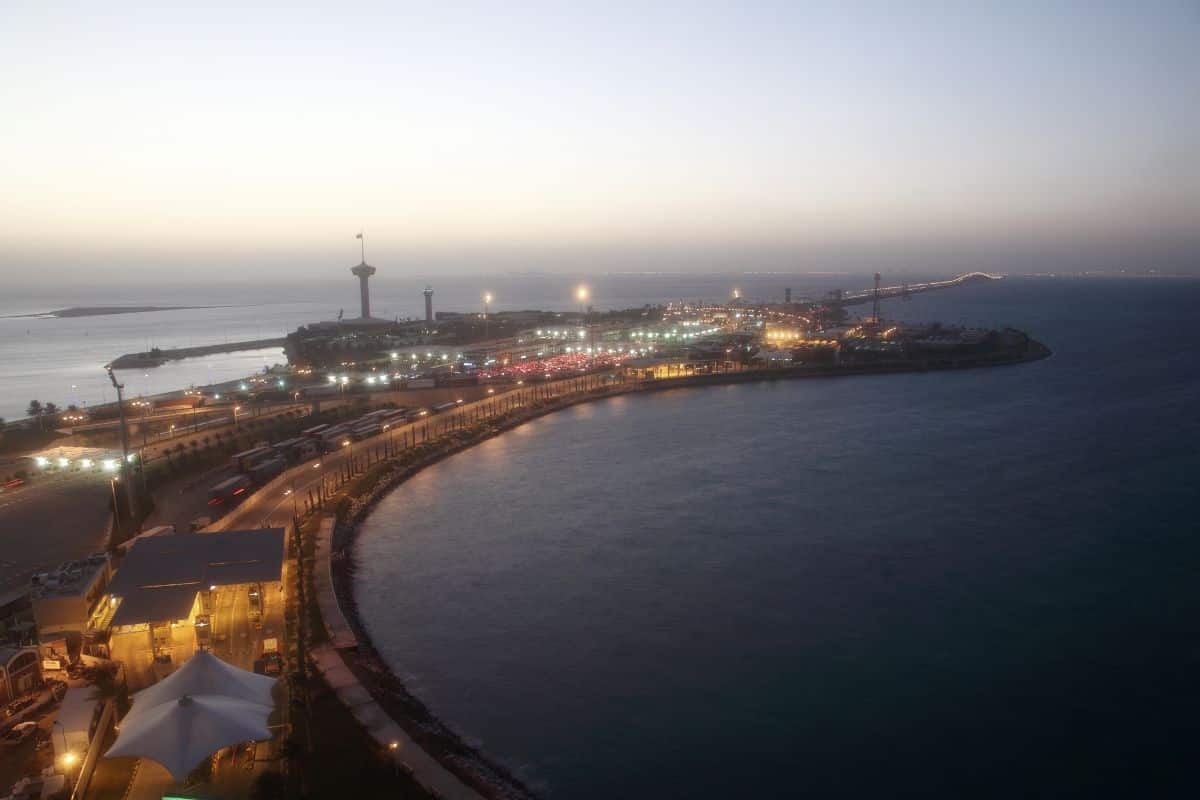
(157, 357)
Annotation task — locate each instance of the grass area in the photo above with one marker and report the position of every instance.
(346, 761)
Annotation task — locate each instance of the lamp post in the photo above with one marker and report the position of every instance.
(68, 758)
(582, 294)
(487, 299)
(236, 409)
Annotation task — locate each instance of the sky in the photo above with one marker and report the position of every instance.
(152, 143)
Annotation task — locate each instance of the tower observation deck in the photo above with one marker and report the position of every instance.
(364, 271)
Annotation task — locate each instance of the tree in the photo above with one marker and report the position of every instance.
(105, 686)
(35, 410)
(50, 409)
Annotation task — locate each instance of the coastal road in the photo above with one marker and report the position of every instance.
(273, 505)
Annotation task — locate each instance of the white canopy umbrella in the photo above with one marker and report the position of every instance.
(201, 707)
(181, 734)
(205, 674)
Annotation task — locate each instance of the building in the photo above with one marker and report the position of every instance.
(651, 368)
(65, 600)
(20, 672)
(160, 598)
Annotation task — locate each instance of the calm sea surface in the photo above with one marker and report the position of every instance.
(966, 584)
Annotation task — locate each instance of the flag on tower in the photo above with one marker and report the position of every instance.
(358, 236)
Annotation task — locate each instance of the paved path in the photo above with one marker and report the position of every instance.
(340, 634)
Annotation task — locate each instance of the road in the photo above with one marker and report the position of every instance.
(276, 509)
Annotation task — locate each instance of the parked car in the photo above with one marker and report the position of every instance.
(19, 733)
(17, 706)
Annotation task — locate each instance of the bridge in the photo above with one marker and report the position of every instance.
(905, 290)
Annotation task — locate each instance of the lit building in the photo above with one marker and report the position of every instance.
(20, 672)
(659, 368)
(65, 600)
(162, 591)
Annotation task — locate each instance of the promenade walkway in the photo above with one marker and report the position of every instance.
(339, 632)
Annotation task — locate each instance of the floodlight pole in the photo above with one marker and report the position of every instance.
(124, 440)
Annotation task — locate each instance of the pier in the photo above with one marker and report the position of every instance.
(156, 357)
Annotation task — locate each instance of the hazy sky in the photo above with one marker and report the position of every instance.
(579, 137)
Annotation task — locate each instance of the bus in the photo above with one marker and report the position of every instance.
(265, 471)
(245, 460)
(229, 491)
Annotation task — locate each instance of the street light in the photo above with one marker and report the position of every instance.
(235, 419)
(487, 299)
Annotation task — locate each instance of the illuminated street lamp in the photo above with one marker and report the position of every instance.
(487, 299)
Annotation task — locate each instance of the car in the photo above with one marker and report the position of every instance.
(17, 706)
(272, 664)
(19, 733)
(14, 483)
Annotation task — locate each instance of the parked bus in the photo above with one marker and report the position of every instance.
(296, 449)
(395, 418)
(264, 472)
(442, 407)
(367, 430)
(314, 432)
(332, 440)
(229, 490)
(245, 460)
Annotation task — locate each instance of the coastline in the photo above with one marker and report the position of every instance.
(470, 763)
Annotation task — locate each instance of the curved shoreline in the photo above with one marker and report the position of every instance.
(469, 763)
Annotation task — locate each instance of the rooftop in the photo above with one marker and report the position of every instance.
(70, 578)
(160, 576)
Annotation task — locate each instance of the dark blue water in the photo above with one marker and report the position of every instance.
(965, 584)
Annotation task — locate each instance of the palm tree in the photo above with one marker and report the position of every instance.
(35, 410)
(50, 409)
(106, 687)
